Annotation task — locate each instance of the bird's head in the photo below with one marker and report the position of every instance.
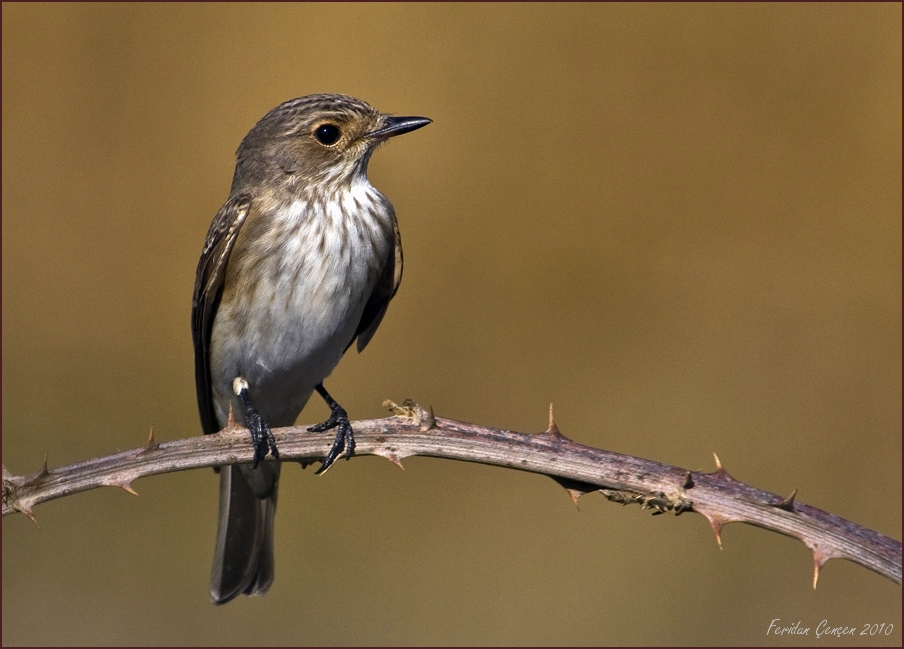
(317, 140)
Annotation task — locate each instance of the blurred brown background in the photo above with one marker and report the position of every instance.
(679, 224)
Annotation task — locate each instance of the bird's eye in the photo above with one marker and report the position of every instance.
(327, 134)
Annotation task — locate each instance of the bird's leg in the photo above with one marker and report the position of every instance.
(345, 438)
(261, 437)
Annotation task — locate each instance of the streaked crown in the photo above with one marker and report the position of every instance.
(315, 140)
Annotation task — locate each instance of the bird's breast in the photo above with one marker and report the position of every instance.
(296, 285)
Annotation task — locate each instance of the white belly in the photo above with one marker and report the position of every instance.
(286, 319)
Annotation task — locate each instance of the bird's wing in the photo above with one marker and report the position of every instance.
(383, 292)
(208, 288)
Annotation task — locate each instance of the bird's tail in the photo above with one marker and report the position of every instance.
(243, 560)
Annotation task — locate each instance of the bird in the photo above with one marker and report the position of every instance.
(299, 263)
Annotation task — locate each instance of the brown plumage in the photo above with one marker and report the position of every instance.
(301, 261)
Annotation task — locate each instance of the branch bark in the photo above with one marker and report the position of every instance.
(579, 469)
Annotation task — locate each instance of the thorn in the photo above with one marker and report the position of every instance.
(392, 456)
(720, 470)
(151, 444)
(128, 487)
(25, 509)
(717, 523)
(819, 560)
(28, 481)
(575, 488)
(816, 568)
(122, 483)
(688, 481)
(230, 419)
(19, 506)
(787, 504)
(575, 494)
(9, 495)
(427, 419)
(552, 430)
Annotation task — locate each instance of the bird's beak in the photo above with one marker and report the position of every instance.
(393, 126)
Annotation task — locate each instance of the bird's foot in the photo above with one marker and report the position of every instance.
(261, 436)
(345, 437)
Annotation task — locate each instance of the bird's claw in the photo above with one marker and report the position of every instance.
(261, 436)
(345, 437)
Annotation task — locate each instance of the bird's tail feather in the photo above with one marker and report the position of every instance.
(243, 560)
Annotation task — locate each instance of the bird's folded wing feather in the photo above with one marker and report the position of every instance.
(208, 288)
(383, 292)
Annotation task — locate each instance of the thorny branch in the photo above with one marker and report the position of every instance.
(579, 469)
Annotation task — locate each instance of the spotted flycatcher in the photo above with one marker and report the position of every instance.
(300, 262)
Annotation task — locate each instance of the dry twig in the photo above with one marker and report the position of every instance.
(579, 469)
